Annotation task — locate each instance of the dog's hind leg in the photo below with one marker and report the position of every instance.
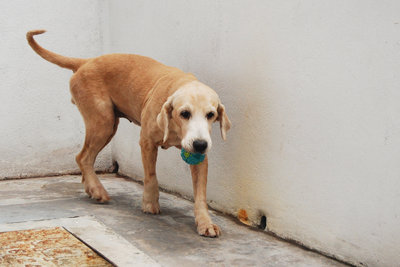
(101, 125)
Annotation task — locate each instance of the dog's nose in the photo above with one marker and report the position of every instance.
(199, 146)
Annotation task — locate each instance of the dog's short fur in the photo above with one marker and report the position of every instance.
(172, 107)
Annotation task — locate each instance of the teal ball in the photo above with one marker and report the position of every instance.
(192, 158)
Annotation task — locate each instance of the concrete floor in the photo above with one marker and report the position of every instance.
(169, 239)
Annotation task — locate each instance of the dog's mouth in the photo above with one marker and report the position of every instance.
(199, 146)
(193, 151)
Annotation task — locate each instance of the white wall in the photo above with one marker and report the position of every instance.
(41, 131)
(312, 88)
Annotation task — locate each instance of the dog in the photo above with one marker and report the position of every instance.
(172, 107)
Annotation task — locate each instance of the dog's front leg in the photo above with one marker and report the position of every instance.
(150, 193)
(204, 224)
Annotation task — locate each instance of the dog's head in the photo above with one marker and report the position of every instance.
(190, 112)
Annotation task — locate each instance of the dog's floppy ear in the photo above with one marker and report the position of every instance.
(225, 123)
(164, 116)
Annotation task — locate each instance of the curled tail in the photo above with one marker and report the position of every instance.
(64, 62)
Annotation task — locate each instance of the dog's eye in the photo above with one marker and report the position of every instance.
(185, 114)
(210, 115)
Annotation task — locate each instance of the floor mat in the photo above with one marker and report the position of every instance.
(46, 247)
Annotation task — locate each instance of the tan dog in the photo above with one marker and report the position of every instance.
(172, 107)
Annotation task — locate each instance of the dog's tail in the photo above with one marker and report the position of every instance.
(64, 62)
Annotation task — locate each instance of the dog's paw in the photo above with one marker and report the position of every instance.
(151, 207)
(98, 193)
(208, 230)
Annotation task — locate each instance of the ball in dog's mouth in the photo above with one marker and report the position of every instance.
(192, 158)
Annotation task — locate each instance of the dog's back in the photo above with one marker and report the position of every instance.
(115, 77)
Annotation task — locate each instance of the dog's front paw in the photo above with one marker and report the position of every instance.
(151, 207)
(97, 192)
(208, 229)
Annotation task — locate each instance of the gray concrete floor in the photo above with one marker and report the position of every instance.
(170, 239)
